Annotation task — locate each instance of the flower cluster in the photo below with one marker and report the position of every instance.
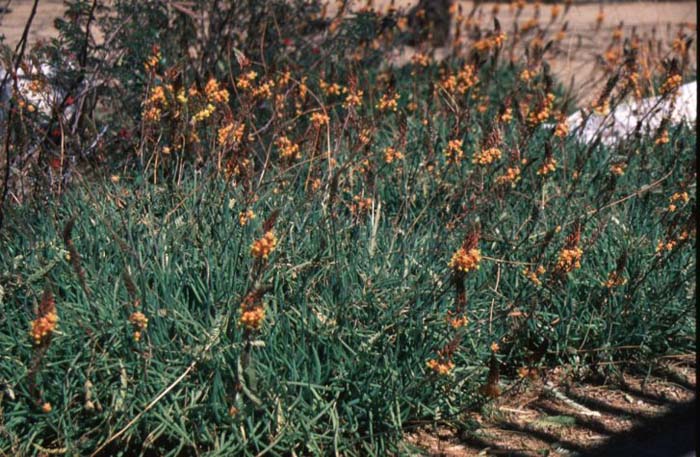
(615, 279)
(561, 129)
(245, 81)
(457, 321)
(549, 165)
(391, 154)
(214, 93)
(678, 196)
(490, 42)
(662, 138)
(252, 311)
(671, 85)
(454, 152)
(535, 118)
(618, 168)
(262, 247)
(331, 89)
(420, 59)
(507, 115)
(511, 176)
(152, 62)
(203, 114)
(154, 104)
(246, 216)
(353, 99)
(288, 149)
(319, 119)
(140, 323)
(465, 259)
(252, 319)
(264, 90)
(534, 275)
(460, 83)
(388, 102)
(443, 367)
(486, 156)
(231, 133)
(526, 75)
(43, 326)
(360, 205)
(569, 259)
(671, 243)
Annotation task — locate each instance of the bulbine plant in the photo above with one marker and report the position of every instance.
(252, 236)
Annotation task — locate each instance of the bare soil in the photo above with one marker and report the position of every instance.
(555, 416)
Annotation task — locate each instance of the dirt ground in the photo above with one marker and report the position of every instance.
(583, 44)
(638, 415)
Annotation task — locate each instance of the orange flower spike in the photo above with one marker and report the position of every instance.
(47, 320)
(263, 247)
(252, 319)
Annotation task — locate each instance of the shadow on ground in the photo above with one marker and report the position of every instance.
(671, 435)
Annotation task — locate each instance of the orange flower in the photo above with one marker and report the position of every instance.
(671, 84)
(453, 151)
(43, 326)
(618, 169)
(288, 150)
(507, 115)
(569, 259)
(562, 129)
(331, 89)
(549, 166)
(420, 59)
(231, 133)
(264, 246)
(215, 93)
(153, 59)
(264, 90)
(535, 118)
(353, 99)
(534, 275)
(615, 279)
(487, 156)
(465, 260)
(678, 196)
(140, 322)
(391, 154)
(388, 102)
(361, 205)
(319, 119)
(45, 323)
(442, 368)
(245, 81)
(457, 322)
(461, 82)
(253, 318)
(663, 138)
(512, 175)
(245, 216)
